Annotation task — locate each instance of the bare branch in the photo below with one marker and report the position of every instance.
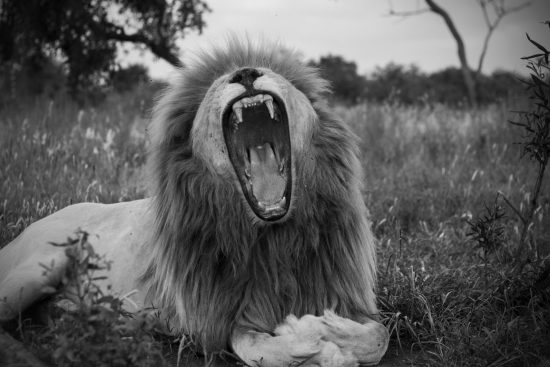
(519, 7)
(407, 13)
(483, 5)
(157, 47)
(500, 10)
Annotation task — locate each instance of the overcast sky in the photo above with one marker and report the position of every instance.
(363, 32)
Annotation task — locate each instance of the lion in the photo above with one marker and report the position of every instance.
(255, 238)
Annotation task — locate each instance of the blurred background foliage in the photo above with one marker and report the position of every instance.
(403, 84)
(75, 42)
(407, 84)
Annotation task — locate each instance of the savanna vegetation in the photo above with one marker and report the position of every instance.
(458, 198)
(409, 85)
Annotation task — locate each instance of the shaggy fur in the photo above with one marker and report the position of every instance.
(213, 268)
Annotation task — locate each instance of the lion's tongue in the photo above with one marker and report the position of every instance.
(268, 185)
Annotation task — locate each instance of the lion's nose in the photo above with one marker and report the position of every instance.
(246, 77)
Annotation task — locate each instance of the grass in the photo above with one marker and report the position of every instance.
(53, 153)
(431, 177)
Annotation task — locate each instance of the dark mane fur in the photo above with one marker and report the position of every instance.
(214, 270)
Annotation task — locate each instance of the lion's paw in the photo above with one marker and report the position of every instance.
(309, 333)
(306, 325)
(367, 342)
(339, 327)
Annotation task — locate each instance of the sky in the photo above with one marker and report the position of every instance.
(362, 31)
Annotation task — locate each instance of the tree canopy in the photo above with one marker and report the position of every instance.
(84, 34)
(346, 83)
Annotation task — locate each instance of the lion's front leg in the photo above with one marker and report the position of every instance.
(289, 347)
(328, 340)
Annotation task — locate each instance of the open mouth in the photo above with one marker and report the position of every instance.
(255, 128)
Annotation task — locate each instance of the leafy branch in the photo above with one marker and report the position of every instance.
(93, 329)
(535, 124)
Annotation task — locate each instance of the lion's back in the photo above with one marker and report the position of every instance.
(115, 230)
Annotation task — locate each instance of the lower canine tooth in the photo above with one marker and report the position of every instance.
(239, 113)
(269, 104)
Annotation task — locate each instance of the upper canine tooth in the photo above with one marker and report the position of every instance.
(269, 104)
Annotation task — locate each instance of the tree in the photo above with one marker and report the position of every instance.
(406, 84)
(346, 84)
(493, 12)
(447, 86)
(126, 79)
(85, 34)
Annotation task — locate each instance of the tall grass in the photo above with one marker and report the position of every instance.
(431, 173)
(54, 153)
(428, 172)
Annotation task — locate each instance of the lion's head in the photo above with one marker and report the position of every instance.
(248, 122)
(257, 194)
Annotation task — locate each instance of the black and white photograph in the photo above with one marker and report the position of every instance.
(282, 183)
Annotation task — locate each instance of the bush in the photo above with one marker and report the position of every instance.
(94, 330)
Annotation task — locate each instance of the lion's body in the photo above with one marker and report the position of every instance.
(118, 231)
(198, 252)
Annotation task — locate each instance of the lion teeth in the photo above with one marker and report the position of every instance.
(270, 207)
(269, 104)
(256, 100)
(239, 113)
(235, 122)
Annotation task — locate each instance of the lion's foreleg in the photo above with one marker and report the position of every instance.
(288, 349)
(328, 340)
(29, 282)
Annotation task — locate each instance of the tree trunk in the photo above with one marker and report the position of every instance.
(467, 74)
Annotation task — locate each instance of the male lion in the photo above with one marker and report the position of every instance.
(256, 237)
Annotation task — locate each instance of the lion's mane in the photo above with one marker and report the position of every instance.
(213, 269)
